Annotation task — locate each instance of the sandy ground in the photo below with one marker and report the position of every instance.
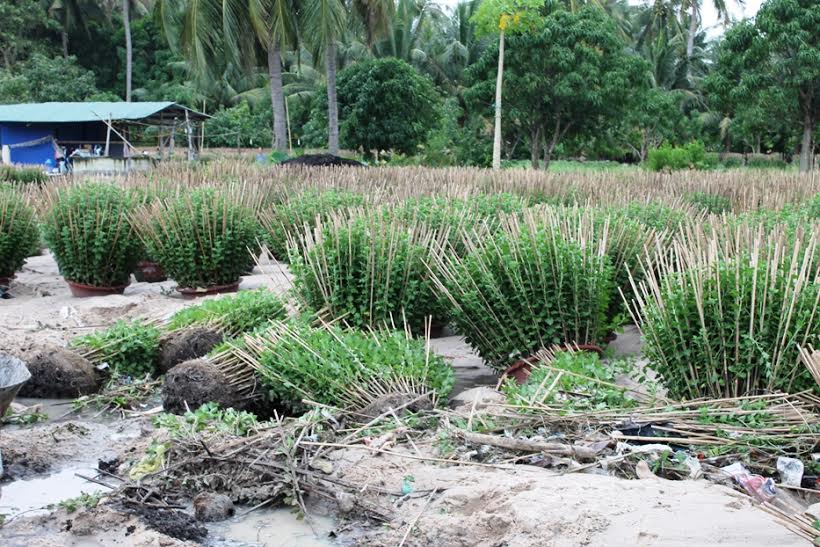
(43, 309)
(474, 505)
(524, 506)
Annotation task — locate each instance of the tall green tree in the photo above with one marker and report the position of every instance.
(570, 76)
(503, 17)
(790, 38)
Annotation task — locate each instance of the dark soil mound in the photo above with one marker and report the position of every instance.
(195, 383)
(59, 373)
(322, 160)
(173, 523)
(183, 345)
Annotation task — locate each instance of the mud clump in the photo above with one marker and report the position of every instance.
(183, 345)
(173, 523)
(209, 507)
(60, 374)
(193, 383)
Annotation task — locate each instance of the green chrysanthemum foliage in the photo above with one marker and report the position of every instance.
(450, 216)
(369, 271)
(87, 227)
(342, 368)
(526, 288)
(234, 314)
(18, 231)
(727, 314)
(657, 216)
(289, 219)
(201, 239)
(129, 348)
(714, 204)
(622, 238)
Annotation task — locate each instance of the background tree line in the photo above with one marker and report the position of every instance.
(592, 78)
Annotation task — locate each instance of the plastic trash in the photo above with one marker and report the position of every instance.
(695, 469)
(791, 471)
(757, 486)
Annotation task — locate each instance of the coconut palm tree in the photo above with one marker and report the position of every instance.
(323, 23)
(276, 28)
(128, 7)
(213, 34)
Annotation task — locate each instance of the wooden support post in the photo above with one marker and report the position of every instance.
(172, 142)
(190, 133)
(108, 136)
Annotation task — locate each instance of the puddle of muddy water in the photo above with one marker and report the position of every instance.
(271, 528)
(33, 496)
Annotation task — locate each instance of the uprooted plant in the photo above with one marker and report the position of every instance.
(232, 315)
(333, 366)
(128, 348)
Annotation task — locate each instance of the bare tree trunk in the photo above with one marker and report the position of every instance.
(535, 141)
(129, 53)
(806, 146)
(332, 102)
(277, 96)
(498, 83)
(64, 36)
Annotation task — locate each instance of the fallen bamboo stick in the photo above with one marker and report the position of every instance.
(528, 445)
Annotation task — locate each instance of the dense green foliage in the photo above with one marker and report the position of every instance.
(239, 126)
(526, 288)
(202, 238)
(18, 231)
(605, 80)
(562, 78)
(87, 227)
(369, 271)
(384, 104)
(233, 314)
(689, 156)
(128, 348)
(335, 366)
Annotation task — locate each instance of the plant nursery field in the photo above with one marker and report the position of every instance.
(233, 354)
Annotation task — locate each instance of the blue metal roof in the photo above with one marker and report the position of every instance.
(87, 112)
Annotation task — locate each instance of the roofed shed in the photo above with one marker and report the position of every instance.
(56, 135)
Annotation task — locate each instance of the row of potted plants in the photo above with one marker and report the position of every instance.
(100, 234)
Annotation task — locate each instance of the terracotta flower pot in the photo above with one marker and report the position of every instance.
(78, 290)
(149, 272)
(520, 370)
(190, 294)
